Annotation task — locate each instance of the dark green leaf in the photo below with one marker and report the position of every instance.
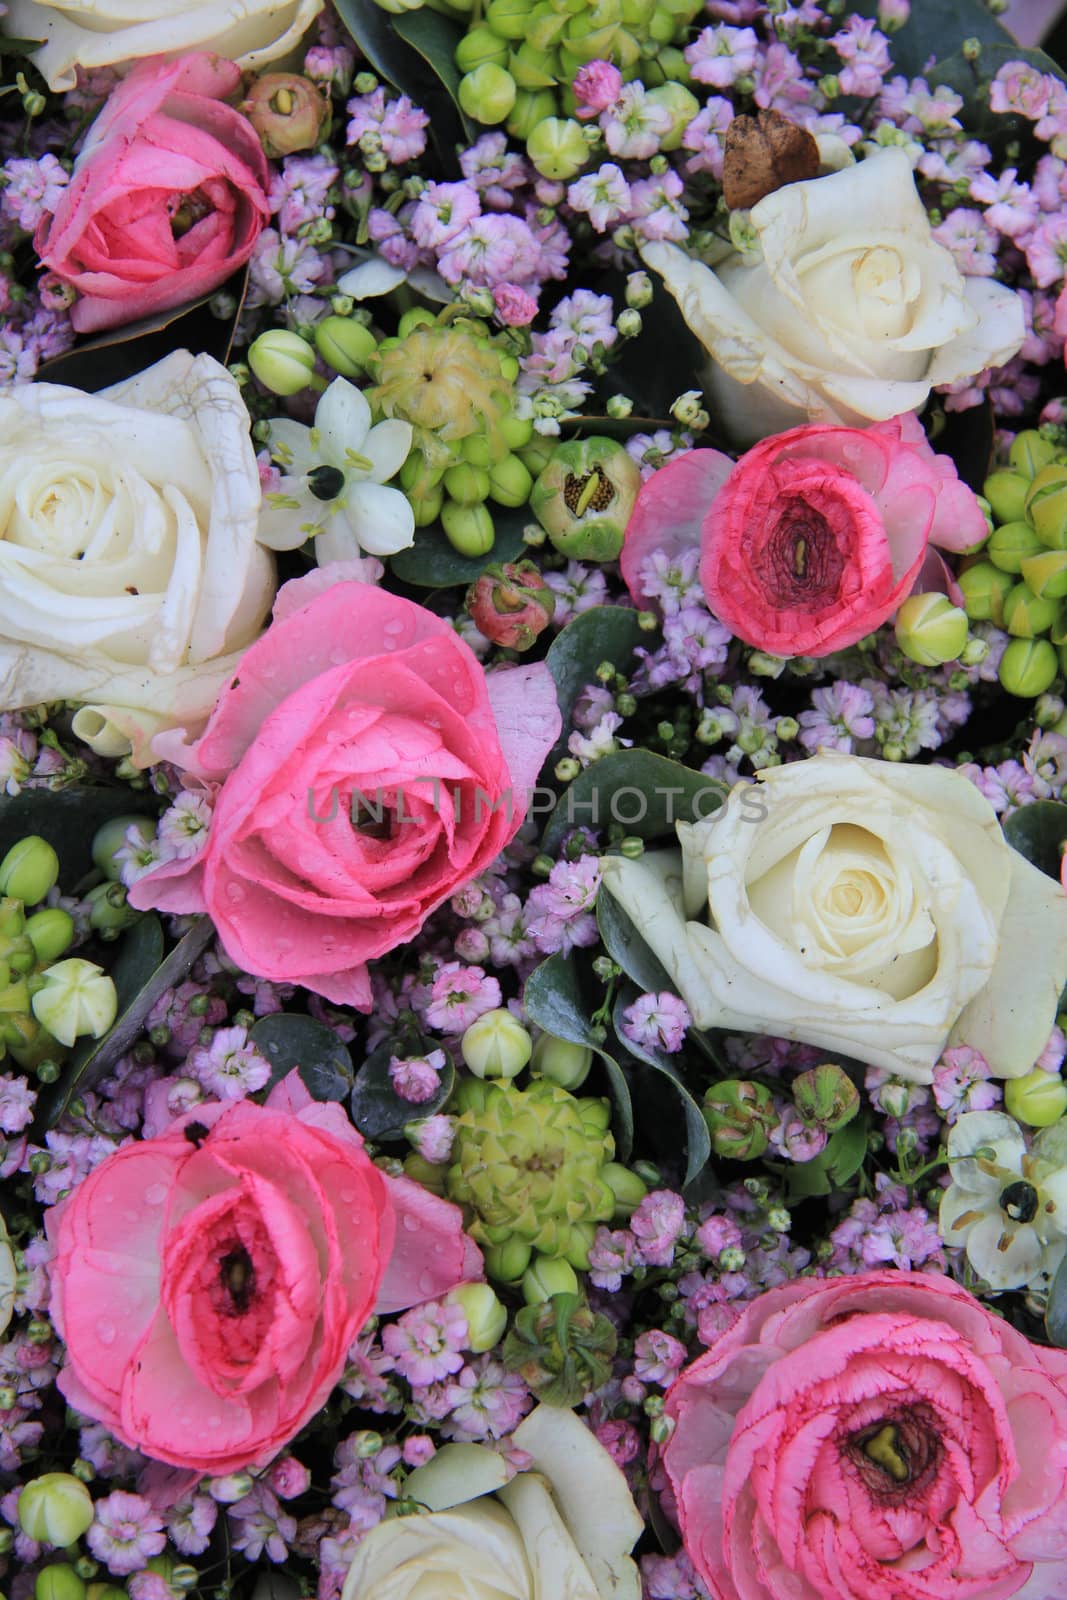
(377, 1110)
(432, 563)
(937, 28)
(624, 944)
(553, 1000)
(646, 793)
(1056, 1312)
(120, 353)
(1037, 831)
(415, 59)
(18, 47)
(603, 633)
(141, 975)
(616, 427)
(697, 1137)
(846, 1149)
(293, 1042)
(968, 437)
(68, 819)
(654, 385)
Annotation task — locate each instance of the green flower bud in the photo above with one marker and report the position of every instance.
(58, 1582)
(1046, 574)
(510, 482)
(467, 485)
(1030, 451)
(55, 1509)
(469, 528)
(545, 26)
(930, 629)
(1010, 545)
(636, 13)
(488, 93)
(516, 432)
(486, 1316)
(826, 1096)
(739, 1115)
(1025, 615)
(561, 1348)
(51, 932)
(29, 870)
(1027, 667)
(431, 1174)
(532, 68)
(417, 317)
(629, 1190)
(557, 148)
(112, 837)
(584, 497)
(661, 26)
(681, 107)
(675, 67)
(282, 361)
(984, 589)
(629, 323)
(1006, 492)
(531, 107)
(477, 448)
(110, 910)
(496, 1045)
(1039, 1099)
(1046, 505)
(75, 998)
(509, 19)
(507, 1262)
(345, 345)
(537, 454)
(479, 46)
(562, 1061)
(546, 1276)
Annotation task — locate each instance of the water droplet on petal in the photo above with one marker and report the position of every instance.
(410, 1224)
(105, 1331)
(156, 1193)
(426, 1283)
(235, 894)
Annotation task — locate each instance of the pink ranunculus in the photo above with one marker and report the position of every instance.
(167, 198)
(882, 1436)
(369, 768)
(208, 1283)
(815, 537)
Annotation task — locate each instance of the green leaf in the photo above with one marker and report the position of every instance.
(291, 1041)
(68, 819)
(834, 1166)
(644, 792)
(972, 80)
(697, 1137)
(1056, 1311)
(120, 353)
(1037, 831)
(624, 944)
(417, 59)
(141, 975)
(937, 28)
(432, 563)
(553, 1000)
(377, 1110)
(603, 633)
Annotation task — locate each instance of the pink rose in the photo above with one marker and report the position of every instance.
(815, 537)
(209, 1283)
(167, 197)
(882, 1436)
(369, 767)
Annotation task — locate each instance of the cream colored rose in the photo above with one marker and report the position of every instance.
(561, 1531)
(107, 33)
(130, 576)
(868, 907)
(848, 311)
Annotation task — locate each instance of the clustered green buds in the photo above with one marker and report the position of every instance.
(1019, 579)
(740, 1115)
(584, 498)
(561, 1348)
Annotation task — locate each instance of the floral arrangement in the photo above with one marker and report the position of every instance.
(533, 739)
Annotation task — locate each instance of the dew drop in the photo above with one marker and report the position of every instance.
(347, 1196)
(105, 1331)
(426, 1283)
(235, 894)
(156, 1193)
(411, 1224)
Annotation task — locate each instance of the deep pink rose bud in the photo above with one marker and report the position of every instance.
(511, 604)
(287, 111)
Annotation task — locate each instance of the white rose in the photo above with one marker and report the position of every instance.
(563, 1529)
(849, 311)
(868, 907)
(106, 33)
(130, 576)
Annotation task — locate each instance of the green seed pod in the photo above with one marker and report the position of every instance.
(1025, 616)
(282, 361)
(75, 998)
(1028, 667)
(985, 588)
(345, 345)
(1010, 545)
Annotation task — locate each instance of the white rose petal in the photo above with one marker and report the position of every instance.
(868, 907)
(131, 579)
(107, 33)
(848, 311)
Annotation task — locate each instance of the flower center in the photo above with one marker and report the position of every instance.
(898, 1455)
(803, 561)
(238, 1278)
(1019, 1201)
(325, 482)
(591, 491)
(187, 211)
